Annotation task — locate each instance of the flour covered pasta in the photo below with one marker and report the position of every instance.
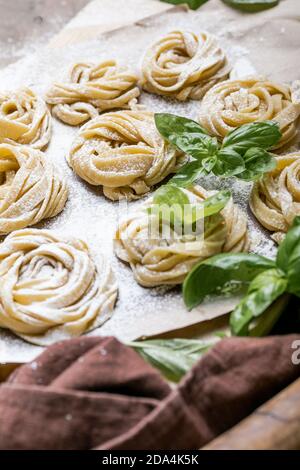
(158, 260)
(275, 198)
(184, 65)
(231, 104)
(24, 118)
(123, 152)
(91, 89)
(30, 187)
(51, 285)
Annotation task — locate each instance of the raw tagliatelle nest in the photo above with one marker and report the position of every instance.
(30, 187)
(51, 284)
(158, 260)
(123, 152)
(91, 89)
(275, 198)
(184, 65)
(24, 118)
(233, 103)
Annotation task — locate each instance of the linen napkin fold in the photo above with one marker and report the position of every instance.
(97, 393)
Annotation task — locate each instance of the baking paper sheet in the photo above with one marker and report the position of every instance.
(268, 43)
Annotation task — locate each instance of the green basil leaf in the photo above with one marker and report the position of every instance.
(252, 6)
(193, 4)
(264, 135)
(210, 206)
(210, 276)
(169, 195)
(173, 357)
(186, 135)
(288, 257)
(172, 205)
(257, 162)
(169, 203)
(229, 163)
(188, 174)
(263, 290)
(263, 325)
(215, 203)
(209, 163)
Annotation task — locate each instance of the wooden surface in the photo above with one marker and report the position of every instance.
(6, 370)
(273, 426)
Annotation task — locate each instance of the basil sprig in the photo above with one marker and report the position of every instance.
(266, 281)
(262, 292)
(242, 154)
(223, 271)
(173, 357)
(252, 6)
(172, 205)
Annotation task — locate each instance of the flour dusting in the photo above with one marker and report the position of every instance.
(88, 214)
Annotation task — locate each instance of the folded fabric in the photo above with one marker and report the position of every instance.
(96, 393)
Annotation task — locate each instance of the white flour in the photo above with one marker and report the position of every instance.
(88, 214)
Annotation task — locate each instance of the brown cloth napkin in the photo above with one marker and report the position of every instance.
(96, 393)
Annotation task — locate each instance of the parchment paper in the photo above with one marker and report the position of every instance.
(267, 42)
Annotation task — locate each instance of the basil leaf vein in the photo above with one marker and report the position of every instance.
(257, 162)
(264, 135)
(172, 204)
(187, 135)
(229, 163)
(210, 276)
(188, 174)
(264, 289)
(243, 153)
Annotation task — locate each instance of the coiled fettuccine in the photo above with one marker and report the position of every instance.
(50, 284)
(231, 104)
(275, 198)
(158, 260)
(92, 89)
(123, 152)
(184, 65)
(30, 189)
(24, 118)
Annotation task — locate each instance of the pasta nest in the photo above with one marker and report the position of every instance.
(91, 89)
(275, 198)
(156, 260)
(24, 118)
(184, 65)
(51, 284)
(30, 189)
(123, 152)
(231, 104)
